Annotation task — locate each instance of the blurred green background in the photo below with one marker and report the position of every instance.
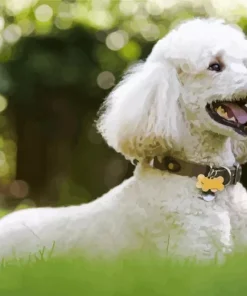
(58, 61)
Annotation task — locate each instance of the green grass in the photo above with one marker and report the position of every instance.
(136, 276)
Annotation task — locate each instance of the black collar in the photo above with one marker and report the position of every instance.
(231, 175)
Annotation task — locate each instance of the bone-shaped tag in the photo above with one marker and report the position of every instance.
(213, 184)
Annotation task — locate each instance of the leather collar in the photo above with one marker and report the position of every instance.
(231, 175)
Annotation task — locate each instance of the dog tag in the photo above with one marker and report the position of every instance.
(208, 197)
(208, 183)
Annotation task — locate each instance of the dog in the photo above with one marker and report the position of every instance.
(181, 117)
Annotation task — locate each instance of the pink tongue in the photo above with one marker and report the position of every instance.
(235, 110)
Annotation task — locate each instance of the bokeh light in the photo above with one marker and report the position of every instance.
(4, 169)
(116, 40)
(12, 33)
(106, 80)
(19, 189)
(27, 26)
(128, 7)
(100, 4)
(100, 19)
(2, 23)
(43, 13)
(150, 32)
(131, 51)
(155, 7)
(63, 23)
(15, 7)
(3, 103)
(65, 14)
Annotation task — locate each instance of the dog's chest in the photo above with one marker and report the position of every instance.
(179, 222)
(193, 228)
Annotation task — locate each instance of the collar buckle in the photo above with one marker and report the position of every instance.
(238, 173)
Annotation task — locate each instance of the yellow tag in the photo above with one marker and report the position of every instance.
(206, 184)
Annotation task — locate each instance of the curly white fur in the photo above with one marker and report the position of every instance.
(158, 108)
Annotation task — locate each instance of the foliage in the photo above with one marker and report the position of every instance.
(114, 35)
(84, 43)
(133, 275)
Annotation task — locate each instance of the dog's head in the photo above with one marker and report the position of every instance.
(197, 74)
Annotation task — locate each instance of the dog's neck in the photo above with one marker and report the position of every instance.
(205, 148)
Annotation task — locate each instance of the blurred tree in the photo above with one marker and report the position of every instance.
(54, 89)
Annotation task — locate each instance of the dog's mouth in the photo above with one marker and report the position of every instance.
(230, 113)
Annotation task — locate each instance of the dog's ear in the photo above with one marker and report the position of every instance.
(239, 149)
(139, 118)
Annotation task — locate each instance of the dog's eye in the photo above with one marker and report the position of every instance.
(215, 67)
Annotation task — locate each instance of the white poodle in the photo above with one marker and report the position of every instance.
(181, 114)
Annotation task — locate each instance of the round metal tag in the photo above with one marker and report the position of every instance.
(208, 197)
